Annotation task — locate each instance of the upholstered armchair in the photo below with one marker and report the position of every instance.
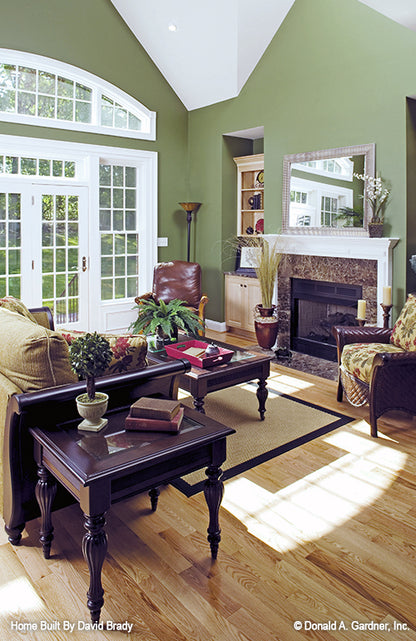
(378, 366)
(178, 279)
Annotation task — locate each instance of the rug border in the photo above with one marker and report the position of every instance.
(190, 490)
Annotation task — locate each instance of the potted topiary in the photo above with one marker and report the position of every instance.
(164, 319)
(90, 355)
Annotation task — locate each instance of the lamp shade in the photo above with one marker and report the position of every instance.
(190, 207)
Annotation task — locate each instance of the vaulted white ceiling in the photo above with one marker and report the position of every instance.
(217, 43)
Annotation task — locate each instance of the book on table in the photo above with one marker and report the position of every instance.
(155, 414)
(157, 408)
(145, 424)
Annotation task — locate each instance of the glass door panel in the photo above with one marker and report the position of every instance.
(64, 250)
(10, 242)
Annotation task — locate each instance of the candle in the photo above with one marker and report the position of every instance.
(361, 308)
(386, 295)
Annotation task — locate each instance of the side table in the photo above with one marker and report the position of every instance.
(103, 468)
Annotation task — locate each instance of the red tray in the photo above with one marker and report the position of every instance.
(177, 351)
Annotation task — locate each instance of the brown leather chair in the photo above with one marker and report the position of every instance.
(178, 279)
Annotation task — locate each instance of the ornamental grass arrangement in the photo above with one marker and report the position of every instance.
(266, 261)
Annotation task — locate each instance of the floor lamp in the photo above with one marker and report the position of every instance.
(190, 208)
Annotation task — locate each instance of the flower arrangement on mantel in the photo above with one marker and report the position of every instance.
(376, 194)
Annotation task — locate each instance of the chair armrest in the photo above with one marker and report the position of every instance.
(394, 358)
(201, 307)
(347, 334)
(143, 297)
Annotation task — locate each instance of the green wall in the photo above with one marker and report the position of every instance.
(91, 34)
(336, 74)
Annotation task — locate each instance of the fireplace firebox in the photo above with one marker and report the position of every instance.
(315, 307)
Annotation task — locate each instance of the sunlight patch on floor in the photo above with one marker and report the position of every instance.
(18, 596)
(312, 506)
(287, 384)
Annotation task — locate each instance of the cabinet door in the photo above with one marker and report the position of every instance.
(253, 298)
(234, 301)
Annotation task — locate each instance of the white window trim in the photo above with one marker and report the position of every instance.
(98, 86)
(114, 316)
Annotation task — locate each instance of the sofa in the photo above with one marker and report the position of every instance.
(37, 386)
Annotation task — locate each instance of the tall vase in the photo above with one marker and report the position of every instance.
(266, 326)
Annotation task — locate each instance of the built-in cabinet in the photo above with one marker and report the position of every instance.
(250, 194)
(242, 294)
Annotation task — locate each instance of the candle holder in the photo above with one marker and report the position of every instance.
(361, 321)
(386, 315)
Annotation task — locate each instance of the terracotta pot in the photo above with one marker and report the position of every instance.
(266, 326)
(265, 311)
(266, 332)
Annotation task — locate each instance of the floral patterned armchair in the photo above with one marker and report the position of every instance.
(378, 366)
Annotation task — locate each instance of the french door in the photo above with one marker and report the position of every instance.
(60, 252)
(44, 248)
(78, 229)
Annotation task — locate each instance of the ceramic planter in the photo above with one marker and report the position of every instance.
(92, 411)
(266, 326)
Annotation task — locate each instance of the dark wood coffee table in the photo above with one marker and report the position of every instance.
(100, 469)
(244, 366)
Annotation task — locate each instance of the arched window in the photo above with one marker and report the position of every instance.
(42, 91)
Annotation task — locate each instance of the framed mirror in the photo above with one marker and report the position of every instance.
(321, 193)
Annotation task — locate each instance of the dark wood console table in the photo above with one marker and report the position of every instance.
(100, 469)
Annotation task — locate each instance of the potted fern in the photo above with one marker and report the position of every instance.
(90, 355)
(164, 319)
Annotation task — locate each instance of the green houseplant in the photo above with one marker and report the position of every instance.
(164, 319)
(90, 355)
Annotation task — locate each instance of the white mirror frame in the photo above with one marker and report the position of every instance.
(368, 151)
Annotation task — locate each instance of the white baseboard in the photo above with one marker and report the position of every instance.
(216, 326)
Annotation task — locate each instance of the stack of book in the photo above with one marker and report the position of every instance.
(155, 415)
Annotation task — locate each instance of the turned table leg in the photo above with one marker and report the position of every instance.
(14, 534)
(45, 491)
(94, 549)
(262, 394)
(199, 404)
(213, 491)
(154, 497)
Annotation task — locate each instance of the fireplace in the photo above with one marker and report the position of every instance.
(316, 306)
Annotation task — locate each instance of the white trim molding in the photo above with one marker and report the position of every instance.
(379, 249)
(32, 85)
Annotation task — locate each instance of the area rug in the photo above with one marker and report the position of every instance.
(288, 423)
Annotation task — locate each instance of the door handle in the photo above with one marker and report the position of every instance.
(84, 263)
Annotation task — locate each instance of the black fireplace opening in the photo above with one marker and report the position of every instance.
(315, 307)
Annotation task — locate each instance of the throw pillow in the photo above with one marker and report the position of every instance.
(404, 330)
(16, 305)
(129, 350)
(31, 356)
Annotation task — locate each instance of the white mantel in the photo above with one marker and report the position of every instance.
(379, 249)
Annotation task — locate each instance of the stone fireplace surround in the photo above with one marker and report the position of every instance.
(356, 261)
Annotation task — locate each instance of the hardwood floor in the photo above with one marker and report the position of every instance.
(324, 535)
